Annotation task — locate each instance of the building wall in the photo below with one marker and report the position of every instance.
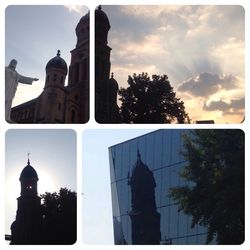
(161, 152)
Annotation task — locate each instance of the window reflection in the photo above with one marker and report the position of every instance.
(160, 151)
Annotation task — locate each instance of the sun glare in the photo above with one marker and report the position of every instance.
(46, 183)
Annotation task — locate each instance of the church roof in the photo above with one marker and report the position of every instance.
(58, 63)
(113, 82)
(26, 104)
(141, 174)
(85, 18)
(28, 173)
(101, 17)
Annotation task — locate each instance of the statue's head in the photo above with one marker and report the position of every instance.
(13, 63)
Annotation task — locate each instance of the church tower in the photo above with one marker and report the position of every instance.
(112, 113)
(106, 109)
(51, 104)
(78, 83)
(144, 217)
(27, 228)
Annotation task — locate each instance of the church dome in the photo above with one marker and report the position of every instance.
(101, 17)
(82, 30)
(57, 62)
(113, 83)
(85, 18)
(141, 174)
(28, 173)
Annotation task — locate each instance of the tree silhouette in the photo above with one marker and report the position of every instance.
(214, 194)
(60, 217)
(151, 101)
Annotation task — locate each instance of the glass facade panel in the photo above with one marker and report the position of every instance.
(148, 166)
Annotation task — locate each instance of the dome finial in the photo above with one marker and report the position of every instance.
(28, 158)
(112, 75)
(99, 7)
(58, 52)
(138, 154)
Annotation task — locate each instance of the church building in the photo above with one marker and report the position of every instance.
(28, 225)
(106, 87)
(59, 103)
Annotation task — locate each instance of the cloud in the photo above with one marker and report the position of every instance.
(234, 107)
(206, 84)
(148, 11)
(80, 9)
(230, 54)
(150, 45)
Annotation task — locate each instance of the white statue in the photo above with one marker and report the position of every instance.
(12, 78)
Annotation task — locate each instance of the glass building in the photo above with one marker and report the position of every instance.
(142, 171)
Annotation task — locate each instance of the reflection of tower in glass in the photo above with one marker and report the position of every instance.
(27, 228)
(145, 219)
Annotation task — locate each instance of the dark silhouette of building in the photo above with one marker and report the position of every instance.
(145, 219)
(59, 103)
(28, 227)
(106, 87)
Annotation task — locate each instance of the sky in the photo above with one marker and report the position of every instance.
(97, 211)
(200, 48)
(33, 34)
(52, 155)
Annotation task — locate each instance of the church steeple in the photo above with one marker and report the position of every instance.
(106, 87)
(145, 219)
(102, 25)
(78, 81)
(28, 179)
(27, 227)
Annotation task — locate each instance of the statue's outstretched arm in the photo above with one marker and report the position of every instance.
(26, 80)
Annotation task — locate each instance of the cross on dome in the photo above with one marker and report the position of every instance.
(28, 158)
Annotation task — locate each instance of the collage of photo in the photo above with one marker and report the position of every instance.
(124, 125)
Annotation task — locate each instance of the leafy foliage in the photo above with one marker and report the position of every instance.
(151, 101)
(214, 196)
(60, 216)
